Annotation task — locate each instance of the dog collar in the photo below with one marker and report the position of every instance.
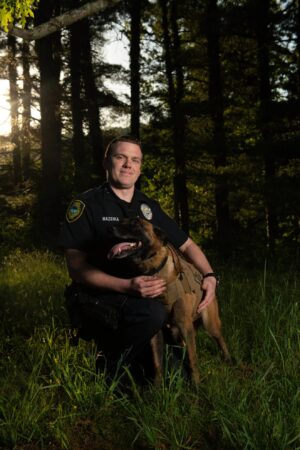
(157, 269)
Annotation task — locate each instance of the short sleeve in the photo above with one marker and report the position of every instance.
(77, 230)
(174, 233)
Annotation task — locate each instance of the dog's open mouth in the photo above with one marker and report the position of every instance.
(123, 249)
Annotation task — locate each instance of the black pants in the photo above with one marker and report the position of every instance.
(121, 325)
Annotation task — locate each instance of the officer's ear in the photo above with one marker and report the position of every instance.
(105, 163)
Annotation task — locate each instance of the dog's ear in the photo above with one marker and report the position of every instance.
(161, 235)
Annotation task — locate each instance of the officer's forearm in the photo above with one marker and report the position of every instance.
(81, 272)
(100, 280)
(195, 255)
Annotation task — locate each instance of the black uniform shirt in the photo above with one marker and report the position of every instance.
(90, 215)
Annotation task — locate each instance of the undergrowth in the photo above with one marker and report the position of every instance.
(52, 398)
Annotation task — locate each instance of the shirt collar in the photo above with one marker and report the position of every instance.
(106, 186)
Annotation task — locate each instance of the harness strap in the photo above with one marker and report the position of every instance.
(176, 258)
(188, 279)
(182, 274)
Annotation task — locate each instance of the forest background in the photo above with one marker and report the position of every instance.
(214, 97)
(212, 89)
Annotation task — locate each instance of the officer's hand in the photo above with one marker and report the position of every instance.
(209, 289)
(147, 286)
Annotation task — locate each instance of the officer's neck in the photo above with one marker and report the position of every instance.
(125, 194)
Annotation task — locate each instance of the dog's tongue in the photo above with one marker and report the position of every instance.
(118, 249)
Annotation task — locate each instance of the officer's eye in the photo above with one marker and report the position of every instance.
(120, 157)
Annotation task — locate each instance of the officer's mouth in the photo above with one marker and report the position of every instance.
(126, 172)
(123, 249)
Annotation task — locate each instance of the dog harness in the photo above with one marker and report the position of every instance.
(188, 280)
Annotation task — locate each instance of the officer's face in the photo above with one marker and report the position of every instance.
(124, 165)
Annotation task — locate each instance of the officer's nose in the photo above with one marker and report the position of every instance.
(127, 162)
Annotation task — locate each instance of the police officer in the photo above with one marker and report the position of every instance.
(121, 312)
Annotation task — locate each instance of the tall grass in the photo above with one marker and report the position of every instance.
(51, 397)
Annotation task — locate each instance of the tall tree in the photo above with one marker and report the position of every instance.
(78, 142)
(264, 38)
(135, 36)
(218, 143)
(92, 101)
(48, 51)
(172, 54)
(26, 116)
(298, 45)
(14, 114)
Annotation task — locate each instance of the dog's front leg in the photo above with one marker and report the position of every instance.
(183, 317)
(157, 346)
(189, 335)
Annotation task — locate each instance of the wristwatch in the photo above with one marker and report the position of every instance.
(213, 274)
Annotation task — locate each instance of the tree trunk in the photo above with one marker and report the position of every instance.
(14, 113)
(179, 125)
(298, 47)
(263, 56)
(296, 220)
(79, 151)
(91, 92)
(135, 13)
(175, 93)
(224, 238)
(26, 100)
(49, 65)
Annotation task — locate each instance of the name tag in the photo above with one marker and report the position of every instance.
(110, 219)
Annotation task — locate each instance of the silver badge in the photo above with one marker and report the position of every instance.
(146, 211)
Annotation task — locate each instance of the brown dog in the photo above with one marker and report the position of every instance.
(145, 249)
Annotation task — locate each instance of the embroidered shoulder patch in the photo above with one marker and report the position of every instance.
(75, 210)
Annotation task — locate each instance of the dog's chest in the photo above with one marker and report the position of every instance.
(187, 282)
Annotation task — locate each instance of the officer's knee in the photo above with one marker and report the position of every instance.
(143, 316)
(157, 314)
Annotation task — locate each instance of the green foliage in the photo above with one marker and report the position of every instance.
(16, 220)
(51, 396)
(157, 180)
(31, 290)
(16, 11)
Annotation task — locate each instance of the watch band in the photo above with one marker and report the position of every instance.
(213, 274)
